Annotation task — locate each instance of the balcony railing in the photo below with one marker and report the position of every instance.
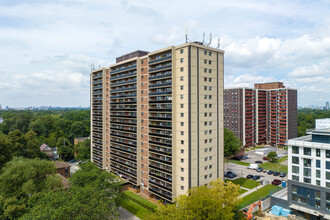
(160, 59)
(159, 76)
(125, 82)
(123, 69)
(123, 76)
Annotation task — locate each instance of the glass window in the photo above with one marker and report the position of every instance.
(307, 180)
(295, 178)
(295, 169)
(295, 149)
(181, 60)
(318, 173)
(318, 152)
(307, 151)
(328, 207)
(327, 153)
(294, 197)
(181, 51)
(181, 69)
(307, 162)
(328, 197)
(181, 78)
(318, 182)
(327, 175)
(327, 184)
(295, 160)
(302, 200)
(318, 164)
(317, 204)
(307, 172)
(294, 189)
(317, 194)
(327, 165)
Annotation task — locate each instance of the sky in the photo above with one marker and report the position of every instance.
(47, 47)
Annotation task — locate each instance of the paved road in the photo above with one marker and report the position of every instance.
(124, 214)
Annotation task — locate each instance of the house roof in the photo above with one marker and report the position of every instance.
(65, 181)
(61, 165)
(43, 146)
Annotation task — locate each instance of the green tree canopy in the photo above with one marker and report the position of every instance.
(231, 143)
(272, 156)
(5, 150)
(219, 200)
(83, 150)
(65, 149)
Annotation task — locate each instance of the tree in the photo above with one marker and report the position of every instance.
(5, 149)
(22, 178)
(219, 200)
(64, 149)
(272, 156)
(231, 143)
(83, 150)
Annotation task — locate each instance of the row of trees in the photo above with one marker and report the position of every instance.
(56, 128)
(306, 119)
(30, 189)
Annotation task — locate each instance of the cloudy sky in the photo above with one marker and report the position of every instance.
(46, 47)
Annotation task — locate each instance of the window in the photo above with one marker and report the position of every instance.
(210, 149)
(307, 151)
(205, 141)
(205, 168)
(182, 114)
(307, 180)
(181, 51)
(210, 53)
(295, 178)
(205, 70)
(142, 69)
(307, 162)
(307, 172)
(182, 132)
(210, 79)
(182, 142)
(181, 69)
(210, 175)
(327, 184)
(210, 96)
(205, 96)
(181, 96)
(181, 78)
(205, 105)
(327, 153)
(210, 140)
(182, 187)
(327, 165)
(210, 157)
(141, 84)
(181, 87)
(182, 169)
(318, 152)
(182, 160)
(182, 123)
(142, 61)
(318, 164)
(210, 105)
(210, 123)
(205, 114)
(182, 178)
(142, 135)
(294, 189)
(210, 114)
(317, 194)
(142, 113)
(205, 123)
(182, 151)
(205, 150)
(210, 88)
(318, 173)
(295, 169)
(295, 150)
(318, 182)
(205, 61)
(205, 88)
(210, 70)
(205, 159)
(327, 175)
(181, 105)
(210, 167)
(210, 62)
(181, 60)
(205, 52)
(205, 177)
(205, 79)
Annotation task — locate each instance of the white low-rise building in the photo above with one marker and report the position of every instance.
(309, 174)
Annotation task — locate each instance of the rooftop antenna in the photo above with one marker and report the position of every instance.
(218, 47)
(210, 40)
(186, 35)
(203, 37)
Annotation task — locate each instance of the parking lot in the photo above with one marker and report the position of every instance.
(243, 171)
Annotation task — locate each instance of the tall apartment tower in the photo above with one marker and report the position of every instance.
(266, 114)
(157, 119)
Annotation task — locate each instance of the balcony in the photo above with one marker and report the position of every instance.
(126, 164)
(161, 159)
(159, 193)
(123, 156)
(97, 76)
(122, 96)
(161, 125)
(162, 67)
(97, 82)
(167, 57)
(123, 69)
(123, 142)
(124, 82)
(160, 85)
(97, 87)
(162, 152)
(122, 76)
(123, 149)
(160, 93)
(123, 89)
(160, 76)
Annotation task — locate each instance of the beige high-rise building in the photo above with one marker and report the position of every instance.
(157, 119)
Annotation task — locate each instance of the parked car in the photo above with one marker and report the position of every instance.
(249, 176)
(270, 172)
(73, 161)
(265, 171)
(260, 169)
(232, 173)
(229, 176)
(246, 156)
(282, 174)
(256, 177)
(253, 166)
(265, 158)
(276, 182)
(258, 161)
(276, 173)
(238, 158)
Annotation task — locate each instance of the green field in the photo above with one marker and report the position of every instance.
(241, 191)
(238, 162)
(138, 206)
(274, 167)
(257, 195)
(246, 183)
(282, 159)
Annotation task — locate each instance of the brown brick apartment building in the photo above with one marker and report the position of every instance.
(157, 118)
(266, 114)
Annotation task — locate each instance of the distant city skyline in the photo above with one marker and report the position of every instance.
(47, 47)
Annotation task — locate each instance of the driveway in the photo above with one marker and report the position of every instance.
(124, 214)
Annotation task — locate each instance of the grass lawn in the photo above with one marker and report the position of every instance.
(138, 206)
(274, 167)
(257, 195)
(282, 159)
(246, 183)
(239, 162)
(241, 191)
